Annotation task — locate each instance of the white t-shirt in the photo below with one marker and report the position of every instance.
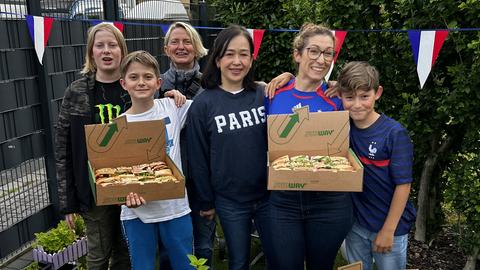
(162, 210)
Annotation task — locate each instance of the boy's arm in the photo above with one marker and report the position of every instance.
(401, 164)
(63, 161)
(384, 240)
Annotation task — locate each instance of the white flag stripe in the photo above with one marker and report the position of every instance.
(331, 66)
(39, 37)
(425, 54)
(250, 31)
(329, 72)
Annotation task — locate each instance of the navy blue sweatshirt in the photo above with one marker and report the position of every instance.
(227, 143)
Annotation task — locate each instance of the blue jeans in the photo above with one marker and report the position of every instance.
(203, 235)
(142, 240)
(359, 245)
(306, 226)
(236, 220)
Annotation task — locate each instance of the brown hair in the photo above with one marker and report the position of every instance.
(309, 30)
(141, 57)
(357, 75)
(89, 65)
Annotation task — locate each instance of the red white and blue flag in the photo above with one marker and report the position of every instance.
(165, 28)
(257, 36)
(426, 45)
(39, 28)
(118, 25)
(340, 37)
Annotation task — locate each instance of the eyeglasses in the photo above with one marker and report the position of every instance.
(314, 53)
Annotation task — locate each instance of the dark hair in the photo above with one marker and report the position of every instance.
(211, 77)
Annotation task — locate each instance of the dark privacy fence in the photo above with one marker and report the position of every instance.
(30, 97)
(125, 10)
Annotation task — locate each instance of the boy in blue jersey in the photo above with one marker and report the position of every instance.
(383, 212)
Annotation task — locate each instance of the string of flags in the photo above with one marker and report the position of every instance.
(118, 25)
(39, 28)
(257, 36)
(339, 37)
(426, 44)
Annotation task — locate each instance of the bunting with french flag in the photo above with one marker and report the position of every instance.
(165, 28)
(257, 36)
(39, 28)
(340, 37)
(426, 45)
(118, 25)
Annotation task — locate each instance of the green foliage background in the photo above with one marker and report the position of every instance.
(445, 112)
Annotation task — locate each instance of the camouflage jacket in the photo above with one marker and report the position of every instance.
(74, 190)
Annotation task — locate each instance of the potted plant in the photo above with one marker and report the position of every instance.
(61, 245)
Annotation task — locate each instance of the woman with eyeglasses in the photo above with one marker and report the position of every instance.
(307, 226)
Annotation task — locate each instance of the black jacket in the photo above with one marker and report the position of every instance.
(74, 190)
(77, 110)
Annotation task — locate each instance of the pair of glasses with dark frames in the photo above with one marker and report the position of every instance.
(314, 53)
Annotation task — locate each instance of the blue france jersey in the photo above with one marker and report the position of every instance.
(288, 98)
(386, 152)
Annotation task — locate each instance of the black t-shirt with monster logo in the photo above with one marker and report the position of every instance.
(110, 100)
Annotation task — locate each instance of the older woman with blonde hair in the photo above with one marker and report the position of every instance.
(184, 48)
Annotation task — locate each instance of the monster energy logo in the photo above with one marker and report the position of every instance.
(109, 108)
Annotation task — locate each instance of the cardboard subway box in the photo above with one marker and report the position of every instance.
(306, 133)
(353, 266)
(123, 143)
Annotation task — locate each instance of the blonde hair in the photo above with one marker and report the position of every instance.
(309, 30)
(142, 57)
(357, 75)
(200, 51)
(89, 65)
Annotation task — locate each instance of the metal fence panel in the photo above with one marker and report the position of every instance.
(31, 94)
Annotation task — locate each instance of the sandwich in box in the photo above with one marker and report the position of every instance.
(310, 151)
(120, 147)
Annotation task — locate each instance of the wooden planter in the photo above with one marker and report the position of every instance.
(69, 254)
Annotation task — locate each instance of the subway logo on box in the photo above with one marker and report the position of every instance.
(286, 185)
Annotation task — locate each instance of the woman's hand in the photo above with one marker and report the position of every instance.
(277, 82)
(331, 90)
(209, 214)
(179, 98)
(134, 201)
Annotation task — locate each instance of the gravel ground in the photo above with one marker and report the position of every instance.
(442, 254)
